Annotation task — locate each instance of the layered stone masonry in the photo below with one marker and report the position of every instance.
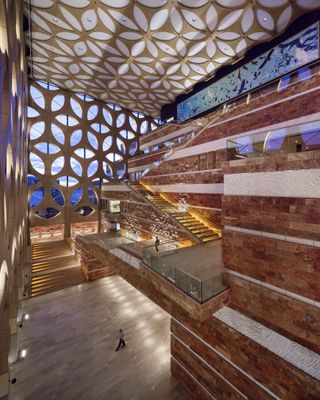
(97, 261)
(290, 266)
(287, 216)
(296, 101)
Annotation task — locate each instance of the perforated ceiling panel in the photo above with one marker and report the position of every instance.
(141, 54)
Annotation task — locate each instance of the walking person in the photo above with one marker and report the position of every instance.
(157, 243)
(120, 336)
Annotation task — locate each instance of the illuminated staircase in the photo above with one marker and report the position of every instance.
(53, 268)
(203, 231)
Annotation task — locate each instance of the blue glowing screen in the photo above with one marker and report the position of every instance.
(289, 55)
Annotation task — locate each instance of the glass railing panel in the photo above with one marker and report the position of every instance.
(194, 288)
(114, 242)
(199, 289)
(293, 139)
(213, 285)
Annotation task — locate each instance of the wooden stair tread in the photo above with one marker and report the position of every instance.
(54, 267)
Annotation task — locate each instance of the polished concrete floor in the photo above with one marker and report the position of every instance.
(70, 340)
(201, 262)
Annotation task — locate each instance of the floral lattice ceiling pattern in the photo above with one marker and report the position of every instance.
(142, 54)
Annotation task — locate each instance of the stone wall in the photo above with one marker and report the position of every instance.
(223, 354)
(97, 261)
(271, 254)
(137, 218)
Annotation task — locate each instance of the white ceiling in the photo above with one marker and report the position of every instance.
(141, 54)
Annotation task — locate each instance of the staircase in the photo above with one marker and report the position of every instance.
(203, 232)
(54, 267)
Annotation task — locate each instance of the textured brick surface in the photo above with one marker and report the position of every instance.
(202, 177)
(198, 162)
(283, 379)
(281, 215)
(235, 377)
(277, 375)
(291, 266)
(137, 218)
(278, 162)
(54, 230)
(305, 104)
(158, 133)
(292, 318)
(119, 195)
(91, 266)
(193, 388)
(202, 373)
(197, 199)
(93, 257)
(146, 159)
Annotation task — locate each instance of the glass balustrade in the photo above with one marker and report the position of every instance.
(292, 139)
(199, 289)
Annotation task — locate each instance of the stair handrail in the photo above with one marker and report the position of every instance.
(173, 150)
(172, 219)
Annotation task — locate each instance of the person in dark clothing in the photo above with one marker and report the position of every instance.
(156, 243)
(120, 336)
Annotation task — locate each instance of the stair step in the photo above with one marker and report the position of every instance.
(204, 234)
(49, 269)
(190, 223)
(209, 238)
(48, 289)
(59, 282)
(50, 265)
(188, 218)
(55, 277)
(201, 232)
(54, 267)
(64, 259)
(195, 228)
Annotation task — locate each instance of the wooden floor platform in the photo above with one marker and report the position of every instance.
(54, 267)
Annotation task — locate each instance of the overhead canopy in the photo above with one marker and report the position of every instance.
(142, 54)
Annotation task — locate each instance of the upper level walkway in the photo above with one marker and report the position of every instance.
(195, 271)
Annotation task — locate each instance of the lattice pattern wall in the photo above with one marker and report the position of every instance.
(76, 144)
(14, 249)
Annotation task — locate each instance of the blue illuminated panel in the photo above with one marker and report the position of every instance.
(291, 54)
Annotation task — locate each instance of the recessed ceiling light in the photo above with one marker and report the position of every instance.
(89, 19)
(124, 19)
(194, 19)
(22, 353)
(265, 19)
(55, 19)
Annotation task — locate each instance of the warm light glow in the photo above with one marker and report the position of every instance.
(22, 353)
(205, 222)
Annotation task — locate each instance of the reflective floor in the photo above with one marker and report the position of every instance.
(70, 341)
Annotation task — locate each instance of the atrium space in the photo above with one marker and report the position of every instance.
(160, 187)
